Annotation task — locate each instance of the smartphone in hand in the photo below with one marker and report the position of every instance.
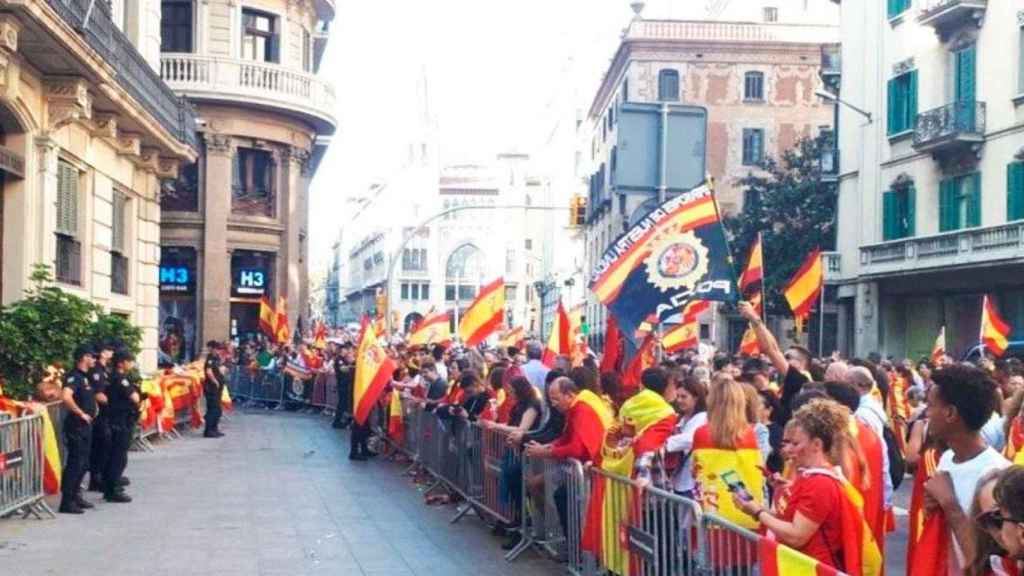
(736, 486)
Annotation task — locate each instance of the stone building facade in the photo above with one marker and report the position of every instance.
(88, 135)
(235, 228)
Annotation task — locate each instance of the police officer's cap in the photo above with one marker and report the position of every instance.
(84, 350)
(122, 355)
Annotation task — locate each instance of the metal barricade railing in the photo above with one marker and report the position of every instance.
(331, 394)
(21, 467)
(728, 549)
(268, 387)
(498, 490)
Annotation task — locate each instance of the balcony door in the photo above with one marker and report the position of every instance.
(965, 88)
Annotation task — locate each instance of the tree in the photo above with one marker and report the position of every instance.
(45, 328)
(794, 209)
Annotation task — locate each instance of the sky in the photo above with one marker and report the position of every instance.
(491, 68)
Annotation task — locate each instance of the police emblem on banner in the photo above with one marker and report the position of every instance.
(677, 261)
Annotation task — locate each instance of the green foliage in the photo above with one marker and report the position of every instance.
(45, 328)
(793, 209)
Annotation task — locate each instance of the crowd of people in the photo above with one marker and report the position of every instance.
(808, 449)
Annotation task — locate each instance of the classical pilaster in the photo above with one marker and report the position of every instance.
(45, 208)
(216, 261)
(291, 265)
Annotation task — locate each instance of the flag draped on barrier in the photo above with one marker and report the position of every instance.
(485, 315)
(995, 331)
(558, 341)
(50, 451)
(674, 254)
(779, 560)
(373, 371)
(433, 329)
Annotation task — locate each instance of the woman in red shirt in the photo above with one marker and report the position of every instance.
(810, 519)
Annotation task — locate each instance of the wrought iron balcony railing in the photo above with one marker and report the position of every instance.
(134, 74)
(952, 124)
(951, 13)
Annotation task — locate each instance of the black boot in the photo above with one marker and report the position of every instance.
(68, 506)
(83, 503)
(95, 483)
(117, 497)
(124, 481)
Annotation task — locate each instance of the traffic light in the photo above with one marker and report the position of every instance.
(578, 212)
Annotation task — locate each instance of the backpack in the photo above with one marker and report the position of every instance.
(897, 463)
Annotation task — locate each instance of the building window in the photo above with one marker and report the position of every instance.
(405, 290)
(253, 186)
(898, 213)
(69, 249)
(414, 291)
(897, 7)
(529, 243)
(960, 202)
(182, 195)
(753, 86)
(307, 51)
(414, 259)
(771, 14)
(668, 86)
(1015, 191)
(902, 96)
(260, 36)
(176, 26)
(510, 293)
(119, 245)
(625, 90)
(753, 146)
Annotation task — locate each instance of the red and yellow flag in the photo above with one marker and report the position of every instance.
(374, 369)
(753, 275)
(711, 461)
(928, 540)
(48, 443)
(559, 342)
(225, 400)
(320, 335)
(268, 318)
(778, 560)
(396, 427)
(281, 331)
(485, 315)
(939, 348)
(871, 487)
(687, 334)
(643, 360)
(433, 329)
(995, 332)
(613, 346)
(589, 418)
(513, 338)
(805, 286)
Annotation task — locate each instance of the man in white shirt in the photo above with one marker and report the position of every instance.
(870, 411)
(960, 402)
(535, 370)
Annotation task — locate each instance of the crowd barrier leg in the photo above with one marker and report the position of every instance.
(21, 476)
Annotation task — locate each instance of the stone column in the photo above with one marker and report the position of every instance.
(867, 322)
(215, 295)
(42, 245)
(291, 267)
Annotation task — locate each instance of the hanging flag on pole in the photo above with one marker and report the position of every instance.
(433, 329)
(281, 331)
(939, 349)
(804, 288)
(559, 343)
(268, 317)
(374, 369)
(995, 332)
(611, 360)
(752, 290)
(676, 253)
(485, 315)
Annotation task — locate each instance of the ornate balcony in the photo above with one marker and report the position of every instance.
(950, 126)
(945, 15)
(253, 84)
(949, 249)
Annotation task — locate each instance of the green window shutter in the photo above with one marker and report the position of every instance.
(911, 104)
(948, 213)
(909, 194)
(67, 199)
(973, 200)
(889, 215)
(1014, 191)
(891, 112)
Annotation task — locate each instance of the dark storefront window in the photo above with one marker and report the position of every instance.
(178, 311)
(182, 195)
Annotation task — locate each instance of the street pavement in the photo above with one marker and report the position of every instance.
(276, 497)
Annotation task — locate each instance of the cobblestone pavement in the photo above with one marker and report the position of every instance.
(276, 497)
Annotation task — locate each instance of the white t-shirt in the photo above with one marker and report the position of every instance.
(965, 476)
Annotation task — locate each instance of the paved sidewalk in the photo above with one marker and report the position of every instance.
(276, 497)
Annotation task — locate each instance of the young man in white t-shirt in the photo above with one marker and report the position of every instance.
(960, 402)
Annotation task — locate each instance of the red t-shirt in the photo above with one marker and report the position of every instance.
(817, 497)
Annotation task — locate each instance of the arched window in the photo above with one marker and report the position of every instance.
(753, 86)
(668, 86)
(463, 273)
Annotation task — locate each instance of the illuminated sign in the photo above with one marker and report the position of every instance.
(250, 281)
(175, 279)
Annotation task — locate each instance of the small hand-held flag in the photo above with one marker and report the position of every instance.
(687, 334)
(939, 349)
(805, 287)
(752, 288)
(513, 338)
(433, 329)
(995, 332)
(559, 343)
(268, 318)
(676, 253)
(374, 369)
(281, 331)
(485, 315)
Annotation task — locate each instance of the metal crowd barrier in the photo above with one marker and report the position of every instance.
(21, 467)
(728, 549)
(268, 387)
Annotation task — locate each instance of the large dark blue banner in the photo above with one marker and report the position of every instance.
(674, 254)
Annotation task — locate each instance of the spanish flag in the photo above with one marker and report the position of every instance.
(433, 329)
(559, 343)
(805, 286)
(513, 338)
(374, 369)
(753, 274)
(613, 346)
(861, 554)
(687, 334)
(485, 315)
(49, 445)
(1014, 450)
(779, 560)
(320, 336)
(281, 332)
(642, 360)
(870, 482)
(647, 420)
(588, 418)
(149, 408)
(396, 428)
(928, 542)
(225, 400)
(268, 318)
(994, 330)
(939, 348)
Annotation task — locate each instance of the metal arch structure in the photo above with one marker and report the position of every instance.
(408, 236)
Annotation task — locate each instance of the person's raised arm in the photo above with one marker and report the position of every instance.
(765, 340)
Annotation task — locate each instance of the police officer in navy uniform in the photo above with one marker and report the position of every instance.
(80, 402)
(122, 414)
(99, 377)
(213, 387)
